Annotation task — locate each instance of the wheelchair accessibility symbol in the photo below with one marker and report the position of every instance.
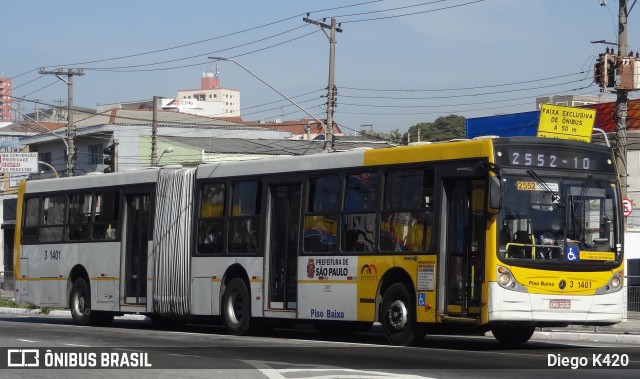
(572, 254)
(422, 299)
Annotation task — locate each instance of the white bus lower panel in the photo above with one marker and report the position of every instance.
(506, 305)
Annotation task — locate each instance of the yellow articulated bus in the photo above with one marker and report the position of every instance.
(500, 234)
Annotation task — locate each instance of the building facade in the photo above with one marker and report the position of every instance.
(572, 100)
(6, 98)
(226, 100)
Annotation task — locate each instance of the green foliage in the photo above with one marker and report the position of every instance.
(8, 303)
(393, 137)
(442, 129)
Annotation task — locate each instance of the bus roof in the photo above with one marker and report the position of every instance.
(89, 181)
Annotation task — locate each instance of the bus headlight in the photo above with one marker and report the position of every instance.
(616, 282)
(504, 279)
(614, 285)
(508, 281)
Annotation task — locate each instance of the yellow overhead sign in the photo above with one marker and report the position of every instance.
(566, 122)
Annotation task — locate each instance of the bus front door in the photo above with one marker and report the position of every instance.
(136, 241)
(283, 246)
(464, 238)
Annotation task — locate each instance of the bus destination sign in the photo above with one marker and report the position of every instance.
(567, 159)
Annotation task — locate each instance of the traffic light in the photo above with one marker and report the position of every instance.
(598, 71)
(610, 71)
(110, 158)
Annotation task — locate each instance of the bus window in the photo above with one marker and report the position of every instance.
(79, 216)
(211, 219)
(406, 219)
(244, 223)
(107, 210)
(53, 218)
(321, 219)
(359, 217)
(32, 215)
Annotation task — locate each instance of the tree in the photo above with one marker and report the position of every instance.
(395, 137)
(378, 136)
(442, 129)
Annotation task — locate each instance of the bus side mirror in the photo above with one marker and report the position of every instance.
(494, 200)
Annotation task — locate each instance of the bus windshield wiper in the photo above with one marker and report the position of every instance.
(575, 205)
(555, 196)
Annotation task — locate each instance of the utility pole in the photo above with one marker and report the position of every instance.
(71, 130)
(37, 102)
(331, 88)
(154, 133)
(19, 106)
(56, 114)
(622, 98)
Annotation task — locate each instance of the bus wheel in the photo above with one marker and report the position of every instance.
(513, 334)
(236, 307)
(80, 304)
(398, 317)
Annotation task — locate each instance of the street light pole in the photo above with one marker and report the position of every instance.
(324, 126)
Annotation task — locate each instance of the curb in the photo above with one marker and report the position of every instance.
(537, 335)
(19, 311)
(588, 337)
(61, 313)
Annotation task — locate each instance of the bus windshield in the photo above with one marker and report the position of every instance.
(559, 220)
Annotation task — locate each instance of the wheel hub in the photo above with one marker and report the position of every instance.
(235, 308)
(398, 315)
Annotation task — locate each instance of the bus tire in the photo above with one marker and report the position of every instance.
(80, 304)
(512, 335)
(398, 317)
(236, 307)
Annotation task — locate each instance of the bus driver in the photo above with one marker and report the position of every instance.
(553, 236)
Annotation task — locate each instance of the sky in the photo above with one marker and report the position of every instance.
(398, 62)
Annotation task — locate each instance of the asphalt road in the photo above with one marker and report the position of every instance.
(207, 351)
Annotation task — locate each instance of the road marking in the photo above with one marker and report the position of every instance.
(74, 345)
(266, 368)
(26, 340)
(186, 355)
(134, 350)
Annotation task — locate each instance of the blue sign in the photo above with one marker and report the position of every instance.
(572, 253)
(422, 299)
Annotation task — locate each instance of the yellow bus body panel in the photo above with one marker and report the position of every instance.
(433, 152)
(17, 237)
(371, 269)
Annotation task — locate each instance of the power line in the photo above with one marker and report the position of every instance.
(198, 55)
(413, 13)
(188, 44)
(464, 88)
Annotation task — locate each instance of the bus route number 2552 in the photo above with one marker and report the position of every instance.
(53, 255)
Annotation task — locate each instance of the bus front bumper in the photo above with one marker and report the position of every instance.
(507, 305)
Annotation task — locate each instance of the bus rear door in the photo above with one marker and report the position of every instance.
(284, 239)
(137, 216)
